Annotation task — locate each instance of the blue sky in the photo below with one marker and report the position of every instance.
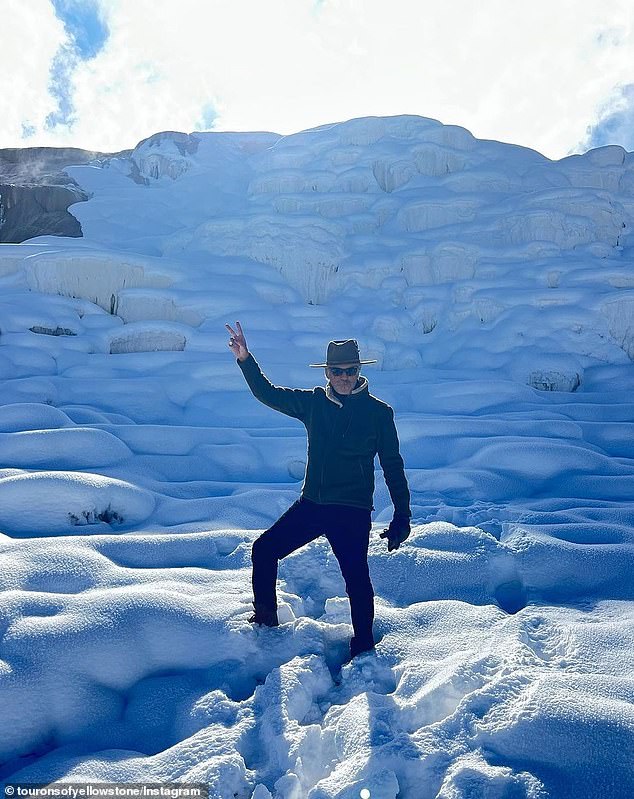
(557, 76)
(84, 22)
(87, 33)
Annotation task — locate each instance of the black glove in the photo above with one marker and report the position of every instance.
(397, 532)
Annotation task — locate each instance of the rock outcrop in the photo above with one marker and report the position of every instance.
(35, 192)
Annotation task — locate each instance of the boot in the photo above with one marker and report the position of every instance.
(359, 647)
(264, 616)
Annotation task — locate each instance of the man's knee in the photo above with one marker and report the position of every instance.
(264, 547)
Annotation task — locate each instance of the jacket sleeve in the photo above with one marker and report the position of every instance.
(392, 464)
(291, 401)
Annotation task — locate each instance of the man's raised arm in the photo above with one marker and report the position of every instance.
(291, 401)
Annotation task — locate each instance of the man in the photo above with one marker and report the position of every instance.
(346, 428)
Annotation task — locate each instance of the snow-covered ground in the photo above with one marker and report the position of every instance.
(496, 290)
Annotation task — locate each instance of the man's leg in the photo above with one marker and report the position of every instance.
(297, 526)
(349, 535)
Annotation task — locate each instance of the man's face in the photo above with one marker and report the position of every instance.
(343, 384)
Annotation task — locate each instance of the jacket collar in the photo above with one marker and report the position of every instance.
(362, 386)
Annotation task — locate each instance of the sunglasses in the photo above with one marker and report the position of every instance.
(350, 371)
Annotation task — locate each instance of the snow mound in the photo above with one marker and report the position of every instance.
(58, 503)
(164, 154)
(447, 262)
(139, 305)
(471, 775)
(427, 214)
(568, 218)
(97, 277)
(147, 337)
(619, 314)
(57, 449)
(276, 708)
(306, 252)
(31, 416)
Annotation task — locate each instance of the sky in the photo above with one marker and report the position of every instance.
(554, 75)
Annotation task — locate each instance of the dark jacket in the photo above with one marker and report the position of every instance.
(343, 439)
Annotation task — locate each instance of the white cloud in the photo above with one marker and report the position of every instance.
(30, 36)
(535, 74)
(615, 121)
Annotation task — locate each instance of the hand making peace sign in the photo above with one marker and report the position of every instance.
(238, 343)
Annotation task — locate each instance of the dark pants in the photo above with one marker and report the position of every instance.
(348, 532)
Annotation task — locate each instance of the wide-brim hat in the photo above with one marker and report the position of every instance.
(342, 352)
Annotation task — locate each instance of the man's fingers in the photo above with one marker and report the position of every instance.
(392, 543)
(239, 336)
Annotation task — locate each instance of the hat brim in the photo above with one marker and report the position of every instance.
(353, 363)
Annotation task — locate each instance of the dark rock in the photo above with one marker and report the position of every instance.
(28, 211)
(43, 165)
(35, 192)
(50, 331)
